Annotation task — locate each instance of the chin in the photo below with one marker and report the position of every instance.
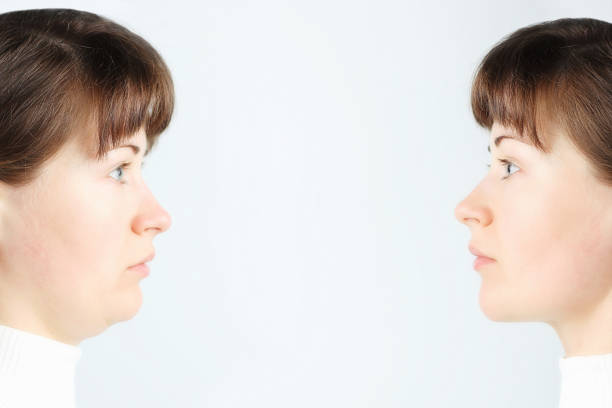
(494, 307)
(126, 306)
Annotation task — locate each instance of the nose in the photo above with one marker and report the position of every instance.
(472, 209)
(152, 216)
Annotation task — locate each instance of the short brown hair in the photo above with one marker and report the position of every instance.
(556, 72)
(63, 70)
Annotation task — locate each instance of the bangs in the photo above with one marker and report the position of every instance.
(516, 85)
(71, 76)
(127, 87)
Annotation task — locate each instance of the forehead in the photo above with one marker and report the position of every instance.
(87, 144)
(501, 134)
(138, 139)
(500, 130)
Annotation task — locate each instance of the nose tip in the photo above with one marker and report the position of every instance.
(162, 221)
(160, 218)
(459, 212)
(167, 221)
(152, 217)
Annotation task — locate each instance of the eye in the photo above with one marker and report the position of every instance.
(506, 163)
(122, 167)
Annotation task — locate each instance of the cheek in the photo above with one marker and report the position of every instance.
(553, 260)
(529, 230)
(73, 244)
(591, 238)
(88, 232)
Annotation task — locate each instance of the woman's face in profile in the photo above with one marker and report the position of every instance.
(547, 222)
(71, 236)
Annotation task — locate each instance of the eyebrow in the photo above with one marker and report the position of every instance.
(499, 139)
(135, 148)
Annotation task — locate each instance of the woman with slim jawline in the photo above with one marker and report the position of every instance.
(82, 101)
(541, 219)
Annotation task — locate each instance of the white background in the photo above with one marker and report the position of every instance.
(315, 158)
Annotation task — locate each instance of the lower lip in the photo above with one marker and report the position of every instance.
(481, 260)
(141, 269)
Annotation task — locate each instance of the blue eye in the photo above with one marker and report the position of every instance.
(122, 167)
(506, 163)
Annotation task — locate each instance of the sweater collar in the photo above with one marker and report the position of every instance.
(36, 371)
(586, 381)
(21, 351)
(581, 364)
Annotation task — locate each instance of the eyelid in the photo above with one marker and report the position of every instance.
(124, 166)
(505, 163)
(127, 163)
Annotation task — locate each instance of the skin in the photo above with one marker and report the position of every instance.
(549, 228)
(67, 239)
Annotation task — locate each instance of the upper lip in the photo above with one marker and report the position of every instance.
(147, 259)
(476, 252)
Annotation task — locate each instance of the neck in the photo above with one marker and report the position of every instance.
(587, 333)
(19, 311)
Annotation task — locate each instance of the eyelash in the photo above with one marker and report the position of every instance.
(505, 163)
(124, 166)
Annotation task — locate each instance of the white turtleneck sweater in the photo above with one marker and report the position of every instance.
(586, 381)
(36, 371)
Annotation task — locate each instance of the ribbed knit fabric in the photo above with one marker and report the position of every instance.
(36, 371)
(586, 381)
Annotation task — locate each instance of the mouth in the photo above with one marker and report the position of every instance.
(145, 260)
(476, 252)
(141, 269)
(481, 258)
(481, 261)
